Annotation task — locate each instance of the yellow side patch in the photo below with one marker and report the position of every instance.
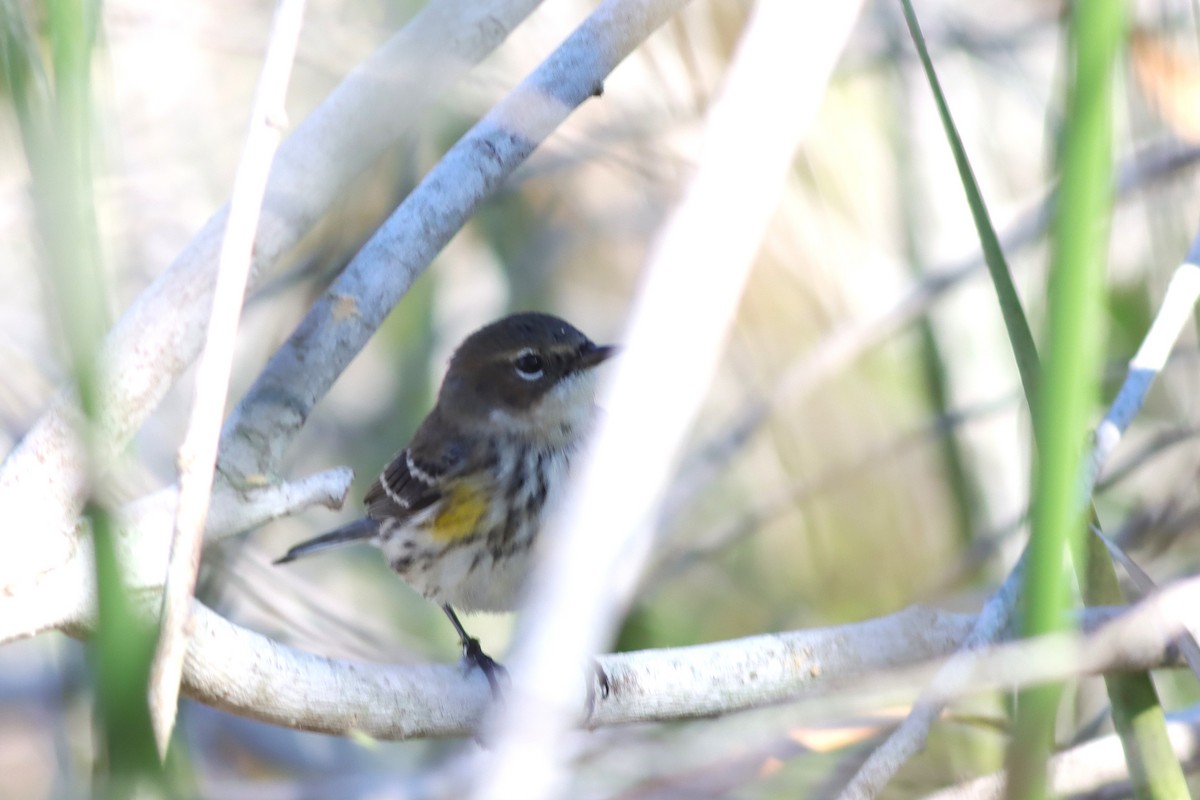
(461, 514)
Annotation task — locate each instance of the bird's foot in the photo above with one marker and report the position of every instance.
(475, 658)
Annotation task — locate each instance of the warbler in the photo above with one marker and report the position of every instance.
(457, 512)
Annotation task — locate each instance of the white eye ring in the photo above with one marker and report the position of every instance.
(529, 365)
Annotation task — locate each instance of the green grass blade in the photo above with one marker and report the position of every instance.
(1062, 417)
(55, 116)
(1019, 335)
(1079, 241)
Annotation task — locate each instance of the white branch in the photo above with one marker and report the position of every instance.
(1178, 304)
(198, 453)
(42, 480)
(348, 313)
(850, 667)
(248, 674)
(595, 551)
(64, 596)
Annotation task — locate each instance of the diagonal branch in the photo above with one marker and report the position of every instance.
(42, 480)
(596, 548)
(348, 313)
(198, 453)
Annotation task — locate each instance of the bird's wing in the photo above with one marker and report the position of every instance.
(415, 478)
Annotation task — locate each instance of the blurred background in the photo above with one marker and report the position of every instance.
(900, 476)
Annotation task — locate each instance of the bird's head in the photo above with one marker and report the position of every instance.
(526, 374)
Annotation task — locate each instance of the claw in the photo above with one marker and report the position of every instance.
(475, 658)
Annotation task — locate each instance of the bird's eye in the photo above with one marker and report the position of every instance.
(529, 365)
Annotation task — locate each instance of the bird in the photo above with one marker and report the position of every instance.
(457, 512)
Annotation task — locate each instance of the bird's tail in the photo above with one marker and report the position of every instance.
(360, 529)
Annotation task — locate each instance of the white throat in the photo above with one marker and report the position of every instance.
(563, 415)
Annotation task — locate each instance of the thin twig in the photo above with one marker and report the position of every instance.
(1162, 442)
(1177, 306)
(198, 453)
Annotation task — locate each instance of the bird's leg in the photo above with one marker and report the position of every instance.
(474, 656)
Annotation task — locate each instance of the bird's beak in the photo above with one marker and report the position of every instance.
(597, 354)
